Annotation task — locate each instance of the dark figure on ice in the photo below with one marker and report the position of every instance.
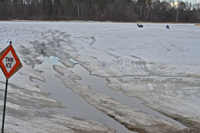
(167, 27)
(140, 25)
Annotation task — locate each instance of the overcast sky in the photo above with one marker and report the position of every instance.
(196, 1)
(192, 1)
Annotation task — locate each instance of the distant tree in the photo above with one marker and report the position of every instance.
(77, 3)
(69, 8)
(182, 5)
(56, 8)
(141, 6)
(2, 9)
(2, 2)
(47, 7)
(197, 7)
(101, 10)
(128, 1)
(149, 3)
(177, 10)
(69, 5)
(102, 3)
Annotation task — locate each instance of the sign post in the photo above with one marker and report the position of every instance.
(4, 108)
(10, 64)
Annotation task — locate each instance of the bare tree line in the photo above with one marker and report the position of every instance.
(100, 10)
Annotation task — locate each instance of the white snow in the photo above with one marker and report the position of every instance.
(164, 65)
(128, 116)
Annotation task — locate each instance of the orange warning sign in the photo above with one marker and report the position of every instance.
(9, 61)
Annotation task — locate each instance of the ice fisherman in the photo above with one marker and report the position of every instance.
(167, 27)
(139, 25)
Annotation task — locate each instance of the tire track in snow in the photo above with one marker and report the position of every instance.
(50, 51)
(139, 66)
(130, 117)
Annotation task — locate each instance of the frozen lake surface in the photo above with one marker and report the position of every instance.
(75, 105)
(102, 77)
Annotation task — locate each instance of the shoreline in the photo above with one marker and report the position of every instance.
(196, 24)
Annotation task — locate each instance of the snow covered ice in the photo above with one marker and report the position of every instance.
(159, 67)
